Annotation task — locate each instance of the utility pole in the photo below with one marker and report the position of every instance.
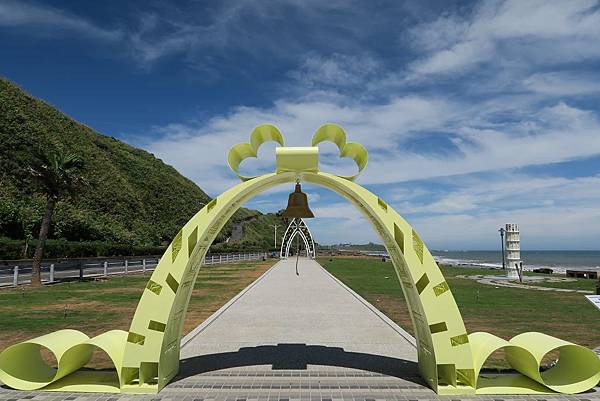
(501, 230)
(275, 236)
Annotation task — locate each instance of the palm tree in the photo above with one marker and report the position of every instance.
(57, 175)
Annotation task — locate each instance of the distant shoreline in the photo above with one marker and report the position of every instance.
(558, 261)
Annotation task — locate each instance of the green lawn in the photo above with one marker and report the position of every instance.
(503, 311)
(578, 284)
(97, 306)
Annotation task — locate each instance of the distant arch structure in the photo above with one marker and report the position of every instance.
(146, 357)
(297, 227)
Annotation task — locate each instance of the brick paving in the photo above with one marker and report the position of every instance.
(289, 337)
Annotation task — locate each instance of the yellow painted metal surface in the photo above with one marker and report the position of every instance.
(578, 368)
(353, 150)
(241, 151)
(22, 366)
(146, 357)
(297, 159)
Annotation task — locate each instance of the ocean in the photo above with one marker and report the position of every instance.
(556, 260)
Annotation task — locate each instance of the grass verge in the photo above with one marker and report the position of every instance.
(502, 311)
(94, 307)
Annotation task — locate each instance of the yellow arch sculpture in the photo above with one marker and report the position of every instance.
(146, 357)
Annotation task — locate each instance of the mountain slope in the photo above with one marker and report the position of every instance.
(256, 232)
(132, 197)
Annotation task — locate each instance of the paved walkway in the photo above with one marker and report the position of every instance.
(312, 308)
(289, 337)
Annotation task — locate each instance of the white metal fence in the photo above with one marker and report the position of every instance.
(20, 272)
(233, 257)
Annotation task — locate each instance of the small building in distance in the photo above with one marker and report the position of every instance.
(513, 250)
(582, 273)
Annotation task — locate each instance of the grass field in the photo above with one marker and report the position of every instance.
(94, 307)
(576, 284)
(568, 283)
(502, 311)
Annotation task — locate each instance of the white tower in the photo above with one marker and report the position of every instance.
(513, 251)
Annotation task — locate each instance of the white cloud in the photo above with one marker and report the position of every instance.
(562, 84)
(507, 191)
(553, 212)
(527, 117)
(552, 134)
(503, 32)
(263, 32)
(158, 36)
(341, 223)
(377, 127)
(344, 211)
(336, 70)
(554, 228)
(189, 31)
(41, 19)
(463, 54)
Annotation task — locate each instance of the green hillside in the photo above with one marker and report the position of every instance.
(133, 201)
(257, 233)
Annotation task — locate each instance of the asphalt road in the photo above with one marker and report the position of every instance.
(71, 270)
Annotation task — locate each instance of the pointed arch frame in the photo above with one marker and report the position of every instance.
(297, 227)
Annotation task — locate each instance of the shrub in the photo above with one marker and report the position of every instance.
(57, 248)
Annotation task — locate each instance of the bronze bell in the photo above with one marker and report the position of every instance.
(298, 205)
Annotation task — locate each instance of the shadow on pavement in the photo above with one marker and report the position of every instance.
(298, 356)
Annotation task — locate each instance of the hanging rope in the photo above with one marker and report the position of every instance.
(297, 253)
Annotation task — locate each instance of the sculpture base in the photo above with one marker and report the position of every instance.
(512, 274)
(87, 381)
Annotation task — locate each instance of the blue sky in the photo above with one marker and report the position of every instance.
(475, 114)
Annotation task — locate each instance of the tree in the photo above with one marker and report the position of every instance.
(28, 219)
(56, 175)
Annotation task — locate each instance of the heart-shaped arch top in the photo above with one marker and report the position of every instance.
(261, 134)
(327, 132)
(354, 150)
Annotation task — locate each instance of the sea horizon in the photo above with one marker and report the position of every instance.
(558, 260)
